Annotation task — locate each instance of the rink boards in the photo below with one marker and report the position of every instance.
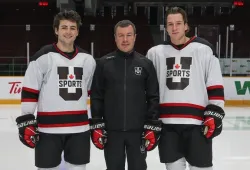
(237, 90)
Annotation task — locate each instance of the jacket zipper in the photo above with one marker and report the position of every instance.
(125, 91)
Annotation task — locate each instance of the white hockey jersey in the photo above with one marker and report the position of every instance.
(57, 86)
(190, 78)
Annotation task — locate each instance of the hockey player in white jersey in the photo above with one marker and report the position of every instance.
(56, 82)
(191, 96)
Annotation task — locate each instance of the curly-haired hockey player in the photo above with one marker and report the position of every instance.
(56, 82)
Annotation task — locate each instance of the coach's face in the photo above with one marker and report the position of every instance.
(125, 38)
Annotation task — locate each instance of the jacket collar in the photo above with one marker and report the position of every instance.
(125, 54)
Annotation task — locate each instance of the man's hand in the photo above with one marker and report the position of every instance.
(28, 133)
(212, 125)
(151, 134)
(98, 133)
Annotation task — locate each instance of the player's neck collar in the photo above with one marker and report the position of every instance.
(181, 46)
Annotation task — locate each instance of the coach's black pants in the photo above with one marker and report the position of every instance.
(122, 144)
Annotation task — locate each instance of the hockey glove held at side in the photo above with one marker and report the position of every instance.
(98, 133)
(151, 134)
(212, 125)
(28, 133)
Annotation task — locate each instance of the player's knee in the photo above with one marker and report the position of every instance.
(75, 167)
(180, 164)
(197, 168)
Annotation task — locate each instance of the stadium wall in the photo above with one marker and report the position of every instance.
(237, 90)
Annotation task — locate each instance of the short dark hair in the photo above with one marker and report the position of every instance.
(124, 23)
(178, 10)
(67, 15)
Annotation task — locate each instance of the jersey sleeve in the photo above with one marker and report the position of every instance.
(151, 56)
(214, 80)
(89, 69)
(32, 82)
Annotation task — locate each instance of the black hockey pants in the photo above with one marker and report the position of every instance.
(125, 144)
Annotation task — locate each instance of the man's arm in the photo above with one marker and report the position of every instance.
(152, 57)
(214, 82)
(152, 93)
(32, 83)
(90, 69)
(214, 112)
(152, 126)
(97, 92)
(97, 124)
(27, 125)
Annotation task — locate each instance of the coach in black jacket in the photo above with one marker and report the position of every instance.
(124, 103)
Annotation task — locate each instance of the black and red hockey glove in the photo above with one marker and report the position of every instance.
(98, 133)
(151, 134)
(28, 133)
(212, 125)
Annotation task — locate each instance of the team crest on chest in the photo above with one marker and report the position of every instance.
(70, 82)
(138, 71)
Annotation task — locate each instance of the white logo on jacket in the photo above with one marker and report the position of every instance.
(138, 71)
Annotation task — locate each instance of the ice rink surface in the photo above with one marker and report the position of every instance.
(231, 148)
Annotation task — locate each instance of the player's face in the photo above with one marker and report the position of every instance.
(125, 38)
(176, 27)
(67, 32)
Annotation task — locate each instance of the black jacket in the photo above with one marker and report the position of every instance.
(125, 91)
